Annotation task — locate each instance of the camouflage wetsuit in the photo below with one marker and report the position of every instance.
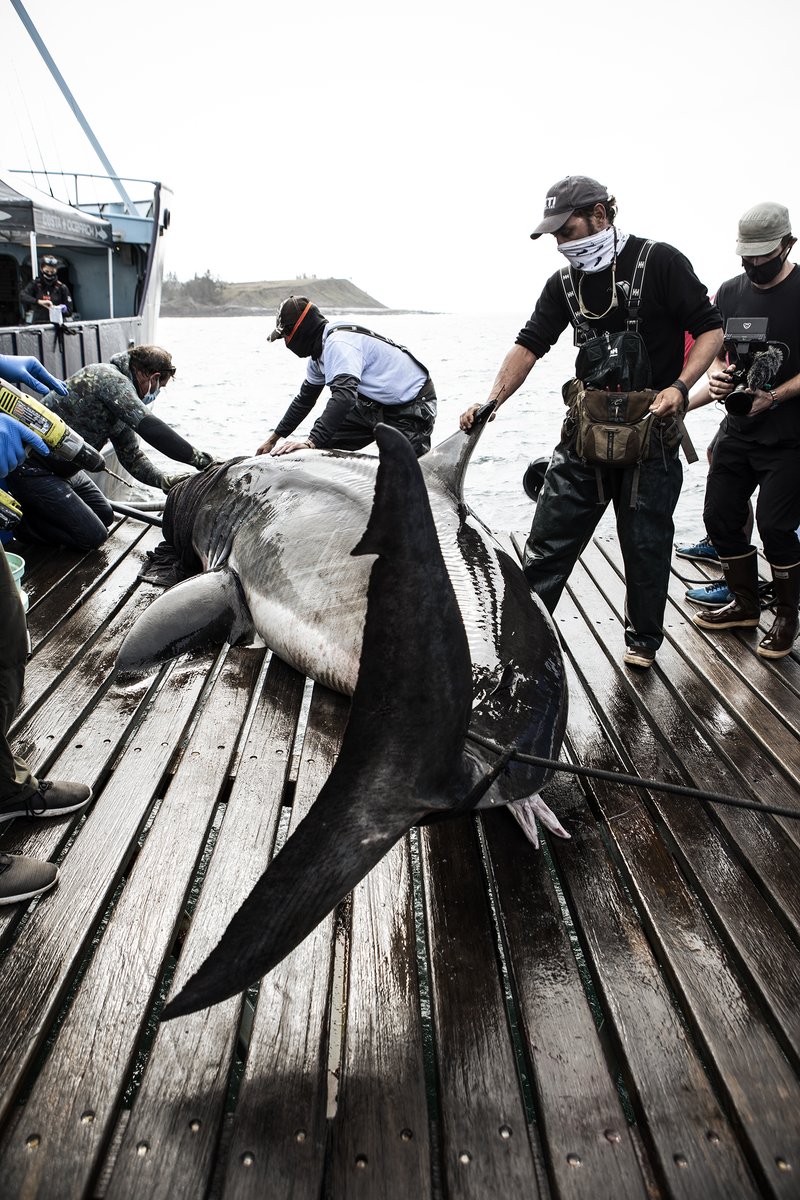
(102, 405)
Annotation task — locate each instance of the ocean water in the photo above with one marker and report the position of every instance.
(232, 387)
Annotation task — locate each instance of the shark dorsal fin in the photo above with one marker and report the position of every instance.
(449, 460)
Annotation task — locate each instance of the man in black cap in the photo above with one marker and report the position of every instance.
(46, 294)
(615, 284)
(758, 444)
(371, 379)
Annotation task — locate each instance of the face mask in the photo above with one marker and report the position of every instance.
(763, 273)
(595, 252)
(150, 397)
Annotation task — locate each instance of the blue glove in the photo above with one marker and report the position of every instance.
(63, 308)
(20, 368)
(14, 440)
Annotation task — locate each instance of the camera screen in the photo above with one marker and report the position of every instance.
(746, 329)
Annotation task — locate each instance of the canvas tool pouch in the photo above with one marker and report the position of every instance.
(616, 429)
(611, 429)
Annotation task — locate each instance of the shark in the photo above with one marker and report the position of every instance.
(403, 756)
(273, 537)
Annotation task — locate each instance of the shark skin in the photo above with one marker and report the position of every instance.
(275, 534)
(403, 754)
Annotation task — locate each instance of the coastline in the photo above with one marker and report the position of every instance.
(235, 310)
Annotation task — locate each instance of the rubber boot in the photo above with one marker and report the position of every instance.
(741, 576)
(780, 639)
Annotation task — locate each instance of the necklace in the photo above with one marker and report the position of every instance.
(584, 311)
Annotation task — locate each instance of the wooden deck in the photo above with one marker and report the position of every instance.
(616, 1016)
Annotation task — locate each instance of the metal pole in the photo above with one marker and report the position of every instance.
(34, 256)
(110, 282)
(73, 103)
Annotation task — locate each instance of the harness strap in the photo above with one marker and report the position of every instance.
(380, 338)
(687, 445)
(632, 293)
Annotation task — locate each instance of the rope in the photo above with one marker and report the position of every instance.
(654, 785)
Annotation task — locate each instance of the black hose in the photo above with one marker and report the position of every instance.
(127, 510)
(653, 785)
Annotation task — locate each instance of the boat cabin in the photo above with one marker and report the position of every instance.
(110, 255)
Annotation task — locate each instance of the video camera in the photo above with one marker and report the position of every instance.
(755, 359)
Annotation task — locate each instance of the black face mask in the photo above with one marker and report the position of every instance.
(764, 273)
(307, 339)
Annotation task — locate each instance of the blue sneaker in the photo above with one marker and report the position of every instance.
(717, 595)
(703, 551)
(710, 595)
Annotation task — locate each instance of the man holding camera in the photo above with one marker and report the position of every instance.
(758, 445)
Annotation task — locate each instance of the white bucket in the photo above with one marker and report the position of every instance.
(17, 564)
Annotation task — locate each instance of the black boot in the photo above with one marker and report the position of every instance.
(780, 639)
(741, 576)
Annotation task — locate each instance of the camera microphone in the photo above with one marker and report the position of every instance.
(764, 368)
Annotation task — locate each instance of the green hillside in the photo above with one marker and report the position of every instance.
(205, 296)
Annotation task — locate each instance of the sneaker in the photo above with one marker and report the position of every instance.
(637, 656)
(711, 595)
(23, 878)
(52, 798)
(717, 595)
(703, 551)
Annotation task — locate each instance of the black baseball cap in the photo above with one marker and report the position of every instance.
(574, 191)
(289, 315)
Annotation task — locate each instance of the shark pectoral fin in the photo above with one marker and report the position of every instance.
(332, 849)
(199, 613)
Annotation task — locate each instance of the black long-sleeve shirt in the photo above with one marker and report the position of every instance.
(673, 302)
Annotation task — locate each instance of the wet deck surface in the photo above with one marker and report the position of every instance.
(615, 1016)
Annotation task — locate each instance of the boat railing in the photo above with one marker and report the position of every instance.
(75, 182)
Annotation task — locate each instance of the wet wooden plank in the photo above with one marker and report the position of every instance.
(754, 1077)
(73, 1112)
(85, 625)
(754, 933)
(278, 1142)
(38, 969)
(88, 575)
(380, 1135)
(485, 1139)
(762, 694)
(583, 1126)
(692, 1146)
(693, 715)
(73, 732)
(170, 1141)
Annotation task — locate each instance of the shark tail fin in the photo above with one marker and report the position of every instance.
(331, 850)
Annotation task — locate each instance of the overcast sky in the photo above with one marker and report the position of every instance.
(409, 146)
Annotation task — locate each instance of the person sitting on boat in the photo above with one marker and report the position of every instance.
(371, 379)
(629, 301)
(46, 294)
(759, 441)
(105, 402)
(21, 793)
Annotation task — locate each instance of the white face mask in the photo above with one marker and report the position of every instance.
(151, 395)
(595, 252)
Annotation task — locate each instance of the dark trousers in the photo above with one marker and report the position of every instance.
(15, 778)
(738, 467)
(62, 512)
(567, 513)
(415, 421)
